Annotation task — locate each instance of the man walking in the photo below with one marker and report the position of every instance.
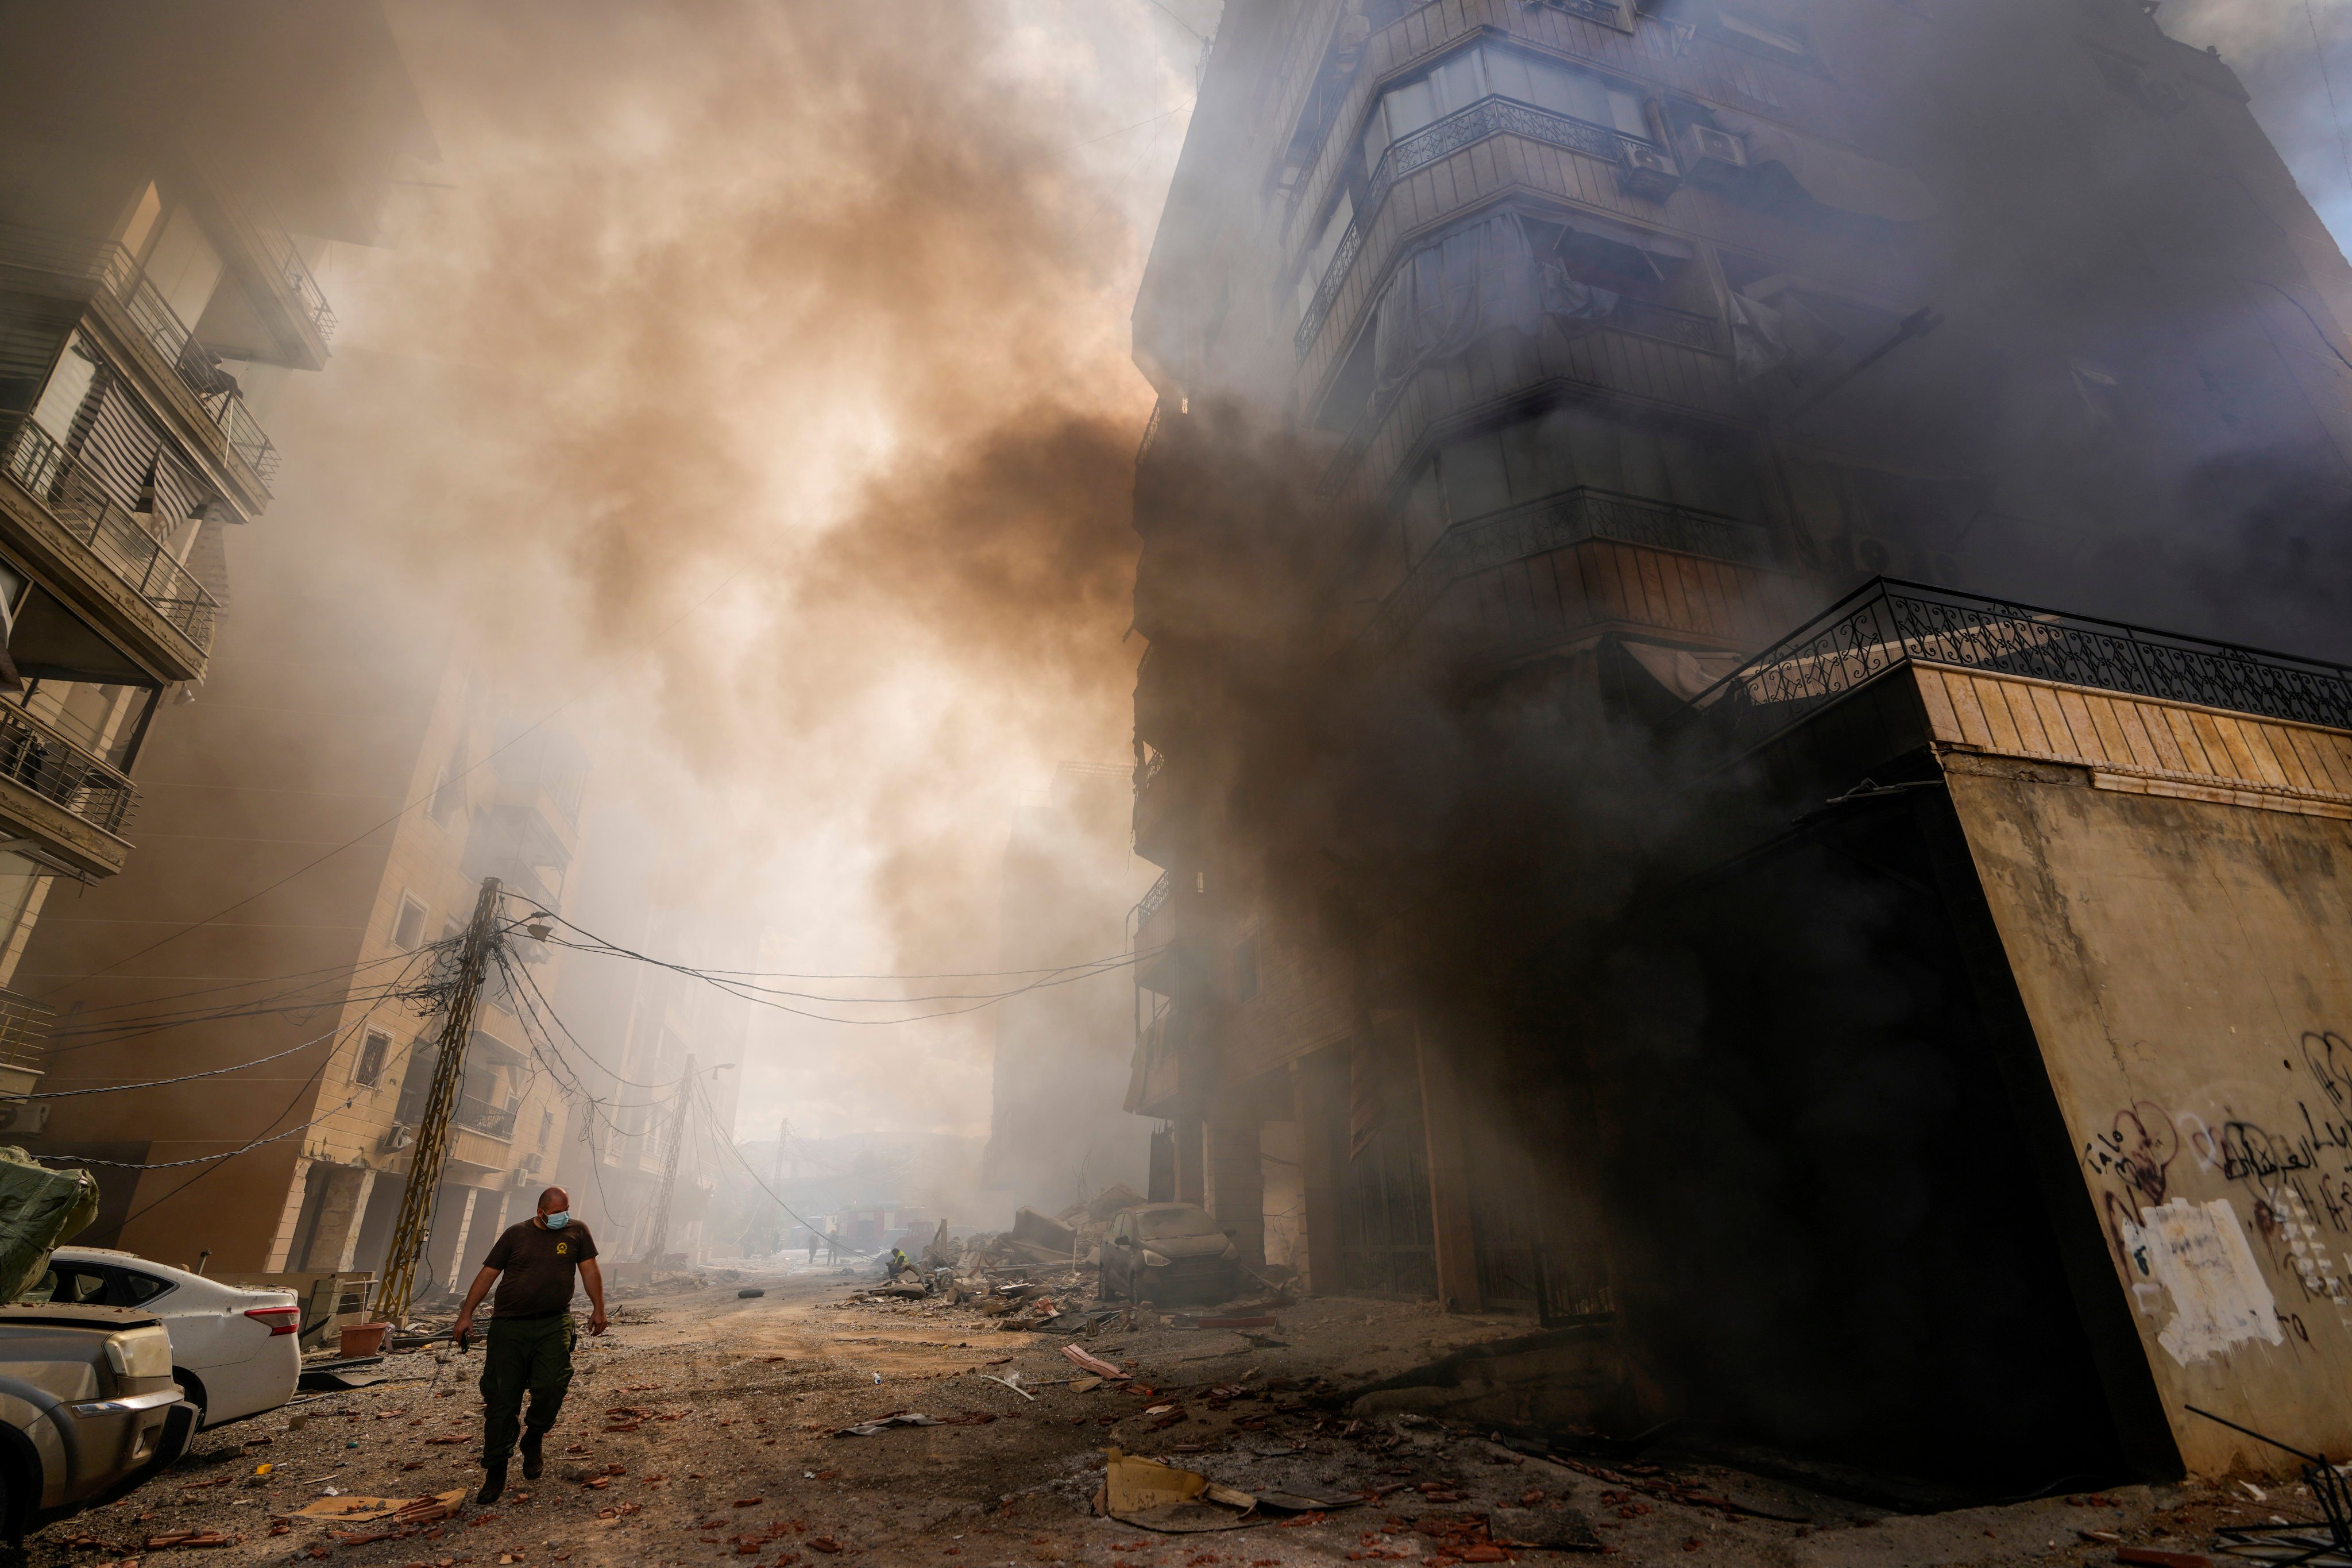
(535, 1266)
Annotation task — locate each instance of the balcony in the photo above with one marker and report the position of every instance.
(23, 1025)
(1409, 154)
(491, 1120)
(135, 314)
(1557, 523)
(113, 549)
(1888, 625)
(62, 796)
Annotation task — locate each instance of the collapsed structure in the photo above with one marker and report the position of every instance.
(1920, 1039)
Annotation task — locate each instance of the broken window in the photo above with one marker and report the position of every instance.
(408, 927)
(372, 1051)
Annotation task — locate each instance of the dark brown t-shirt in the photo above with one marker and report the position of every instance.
(538, 1269)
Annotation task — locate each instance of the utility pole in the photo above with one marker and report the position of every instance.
(431, 1151)
(659, 1243)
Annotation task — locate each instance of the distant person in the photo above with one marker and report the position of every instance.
(535, 1266)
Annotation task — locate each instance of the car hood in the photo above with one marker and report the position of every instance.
(1187, 1247)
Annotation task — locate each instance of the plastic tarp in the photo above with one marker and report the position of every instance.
(39, 1208)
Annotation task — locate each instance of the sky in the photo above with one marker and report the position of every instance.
(749, 382)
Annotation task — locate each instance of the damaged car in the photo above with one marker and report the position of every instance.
(1165, 1252)
(88, 1409)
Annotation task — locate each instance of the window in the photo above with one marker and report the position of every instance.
(1489, 70)
(546, 1127)
(446, 798)
(408, 929)
(373, 1050)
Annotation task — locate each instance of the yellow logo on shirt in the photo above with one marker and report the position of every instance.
(562, 1248)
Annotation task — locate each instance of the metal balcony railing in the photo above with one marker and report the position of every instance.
(495, 1121)
(1150, 433)
(1441, 139)
(56, 478)
(279, 247)
(23, 1025)
(1888, 623)
(38, 758)
(1151, 903)
(1688, 327)
(110, 266)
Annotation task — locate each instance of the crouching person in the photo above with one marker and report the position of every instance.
(536, 1266)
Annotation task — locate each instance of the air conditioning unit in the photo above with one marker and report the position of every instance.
(399, 1135)
(530, 1163)
(1649, 173)
(23, 1116)
(1709, 154)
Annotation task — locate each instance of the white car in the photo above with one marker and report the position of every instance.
(234, 1353)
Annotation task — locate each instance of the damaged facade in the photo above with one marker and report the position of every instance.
(1608, 342)
(152, 294)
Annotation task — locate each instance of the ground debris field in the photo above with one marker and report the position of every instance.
(702, 1429)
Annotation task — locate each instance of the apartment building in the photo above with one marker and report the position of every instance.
(314, 993)
(155, 174)
(1526, 368)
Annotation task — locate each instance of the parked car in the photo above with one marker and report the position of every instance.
(88, 1408)
(236, 1352)
(1160, 1252)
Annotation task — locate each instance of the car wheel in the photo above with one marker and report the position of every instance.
(192, 1389)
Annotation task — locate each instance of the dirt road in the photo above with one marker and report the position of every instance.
(700, 1431)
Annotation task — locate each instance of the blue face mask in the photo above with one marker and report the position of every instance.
(558, 1220)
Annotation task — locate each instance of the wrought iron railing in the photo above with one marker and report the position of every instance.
(56, 478)
(111, 267)
(39, 759)
(1148, 771)
(1555, 522)
(1441, 139)
(1152, 901)
(1888, 623)
(1150, 431)
(497, 1121)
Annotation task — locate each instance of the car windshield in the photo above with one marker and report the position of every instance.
(1166, 1224)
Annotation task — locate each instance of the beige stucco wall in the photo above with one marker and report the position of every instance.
(2187, 968)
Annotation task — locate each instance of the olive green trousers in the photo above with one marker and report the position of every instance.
(531, 1355)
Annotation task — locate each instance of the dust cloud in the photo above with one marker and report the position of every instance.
(751, 381)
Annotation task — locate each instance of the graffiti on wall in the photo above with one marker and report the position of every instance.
(2293, 1173)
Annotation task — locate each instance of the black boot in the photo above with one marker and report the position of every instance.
(533, 1461)
(494, 1482)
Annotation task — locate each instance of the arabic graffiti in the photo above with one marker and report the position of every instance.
(2295, 1176)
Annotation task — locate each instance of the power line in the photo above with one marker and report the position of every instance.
(190, 1078)
(233, 1153)
(759, 994)
(508, 744)
(792, 975)
(721, 1138)
(2335, 115)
